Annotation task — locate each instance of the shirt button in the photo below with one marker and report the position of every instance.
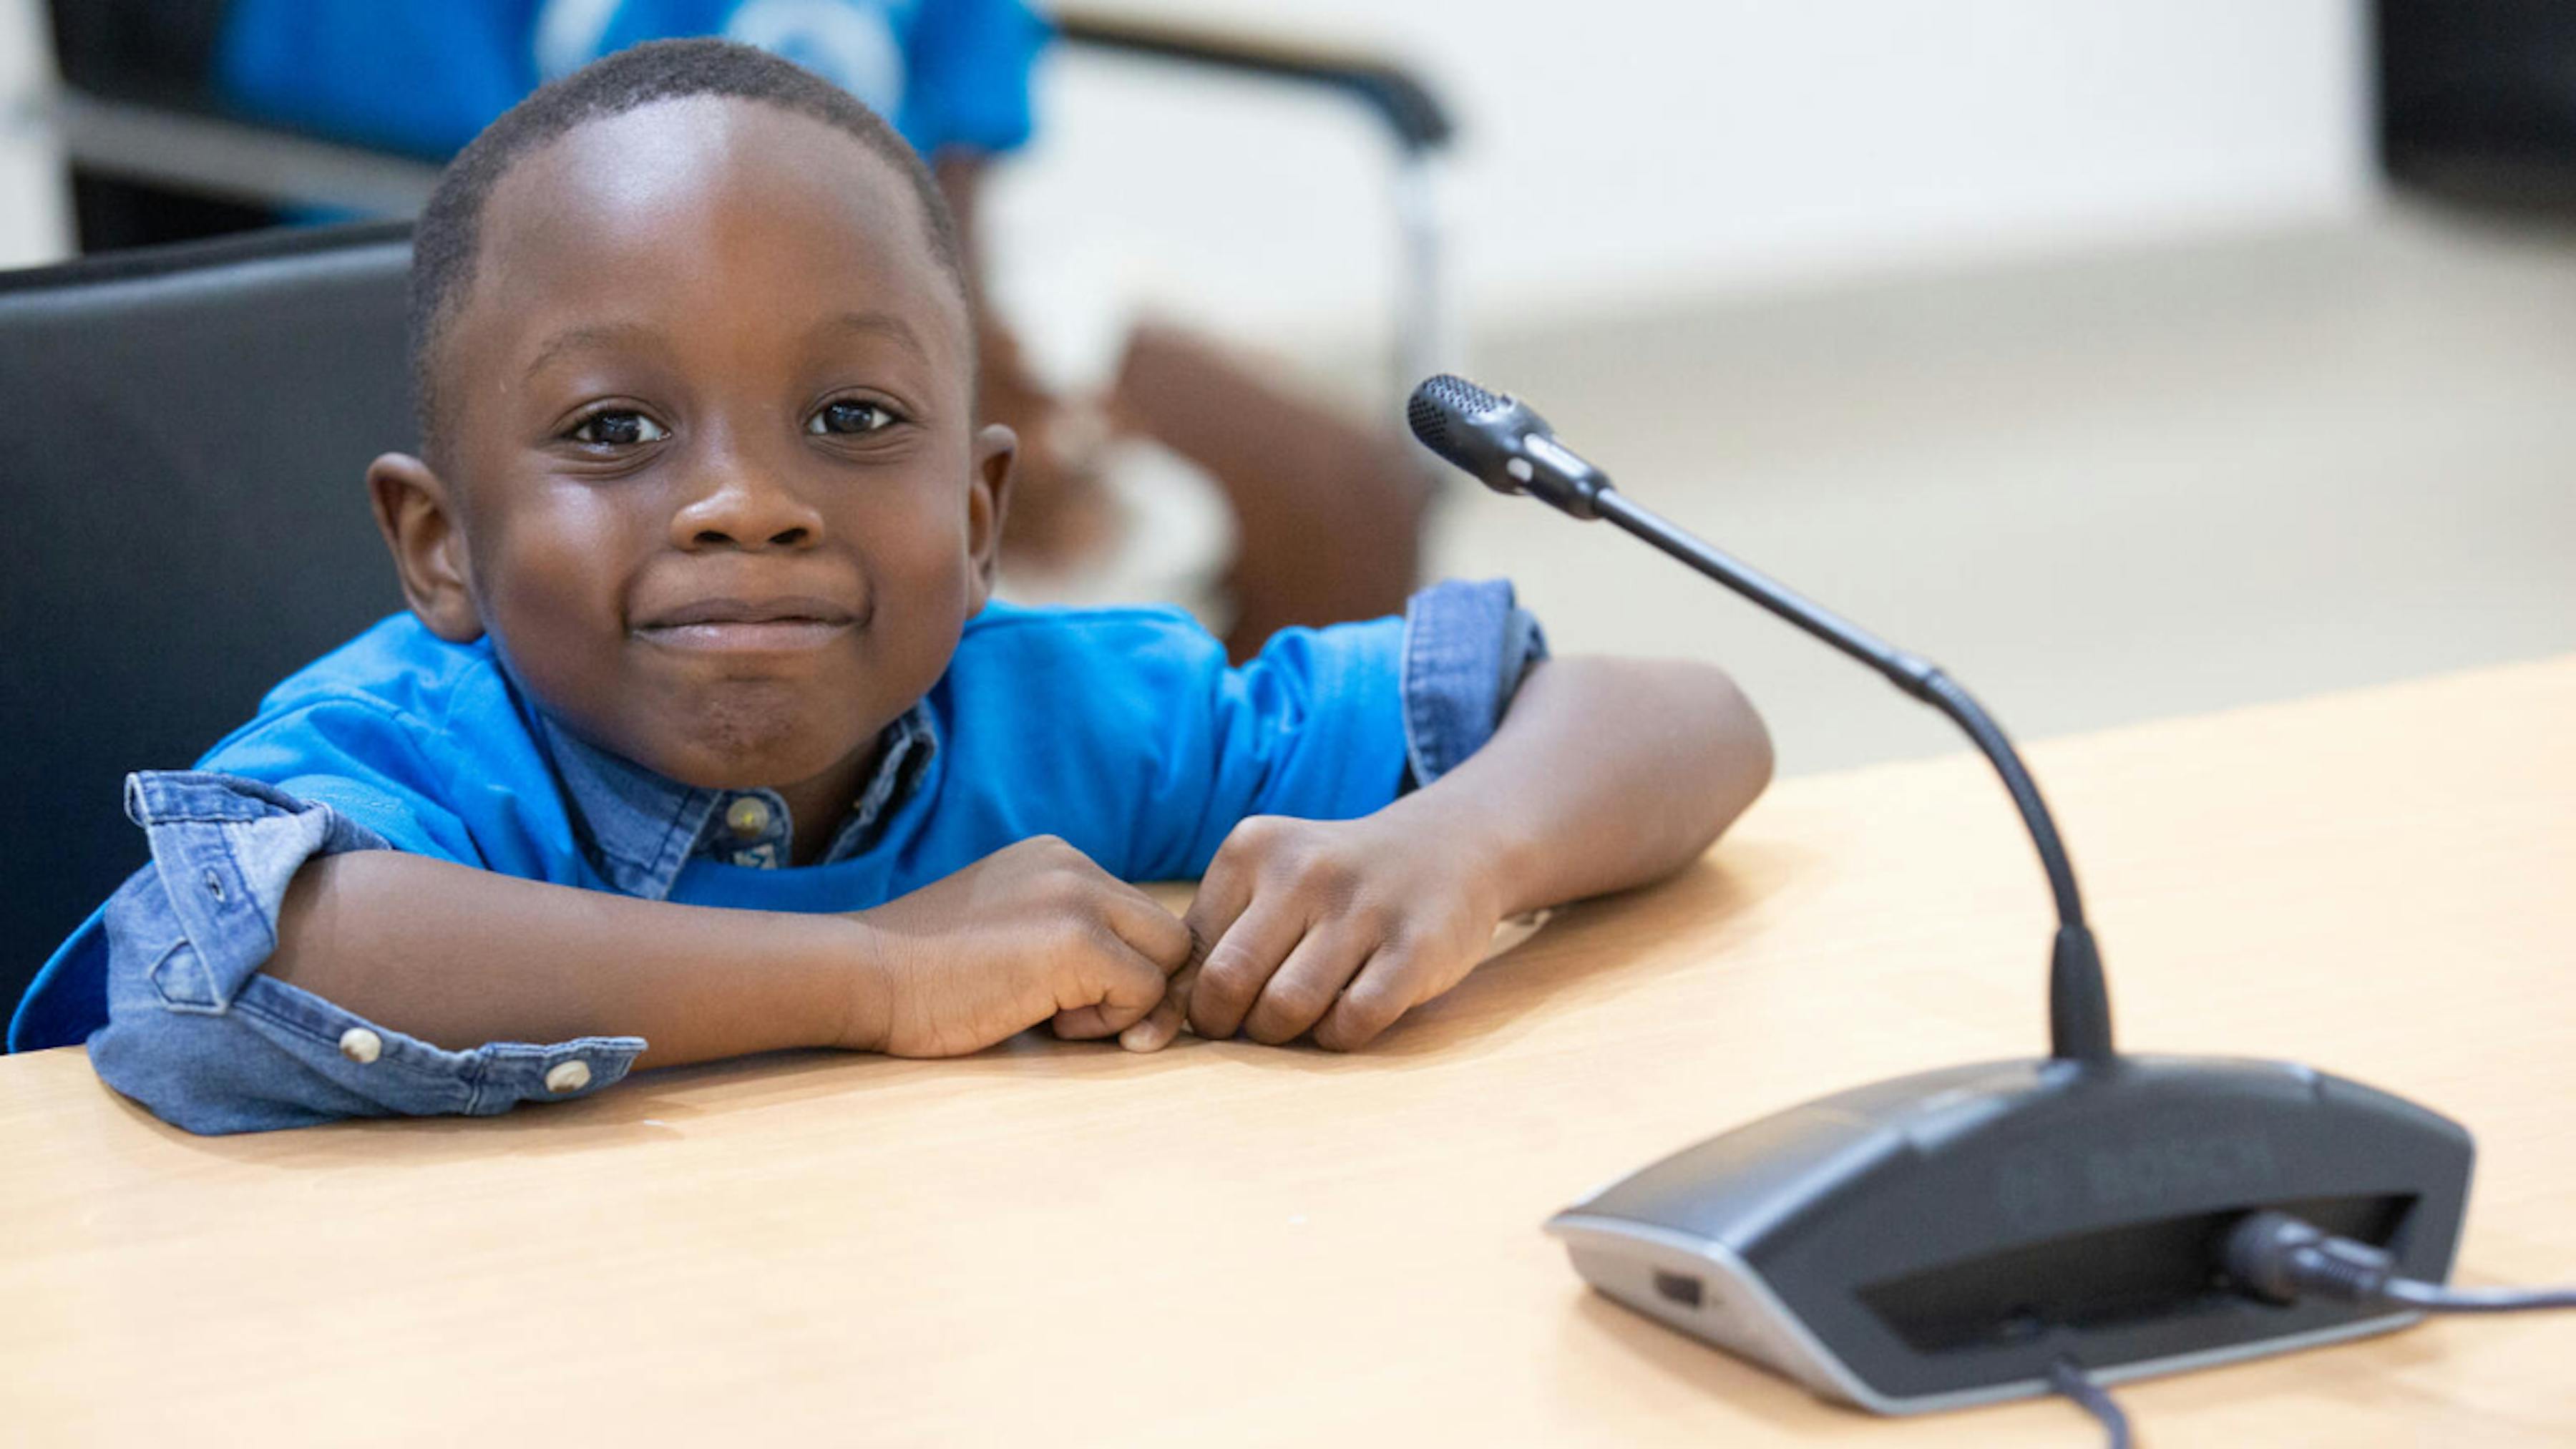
(361, 1045)
(748, 817)
(569, 1076)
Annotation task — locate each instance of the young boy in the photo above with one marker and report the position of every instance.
(700, 733)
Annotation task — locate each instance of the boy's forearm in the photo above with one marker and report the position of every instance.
(1604, 774)
(459, 957)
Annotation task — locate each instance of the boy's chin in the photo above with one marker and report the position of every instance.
(763, 735)
(771, 764)
(743, 749)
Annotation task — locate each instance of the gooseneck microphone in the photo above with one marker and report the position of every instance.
(2007, 1228)
(1506, 444)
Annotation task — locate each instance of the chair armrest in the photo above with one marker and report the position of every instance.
(1417, 119)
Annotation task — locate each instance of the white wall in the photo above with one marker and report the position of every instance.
(1616, 152)
(1619, 151)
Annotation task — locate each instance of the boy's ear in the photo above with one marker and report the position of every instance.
(988, 502)
(419, 519)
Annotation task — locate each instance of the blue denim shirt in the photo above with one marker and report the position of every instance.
(1123, 731)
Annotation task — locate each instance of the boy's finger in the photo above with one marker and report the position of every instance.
(1305, 985)
(1163, 1024)
(1125, 988)
(1223, 894)
(1240, 964)
(1380, 993)
(1085, 1023)
(1142, 923)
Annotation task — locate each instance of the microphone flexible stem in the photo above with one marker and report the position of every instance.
(2079, 1001)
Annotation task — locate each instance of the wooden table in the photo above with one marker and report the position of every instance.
(1229, 1244)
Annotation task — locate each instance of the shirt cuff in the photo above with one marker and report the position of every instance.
(1467, 646)
(197, 1033)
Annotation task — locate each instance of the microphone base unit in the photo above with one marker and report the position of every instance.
(1963, 1236)
(1940, 1240)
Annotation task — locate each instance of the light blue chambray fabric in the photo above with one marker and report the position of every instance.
(199, 1034)
(1123, 731)
(641, 828)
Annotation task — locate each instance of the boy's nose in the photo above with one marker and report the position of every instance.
(744, 507)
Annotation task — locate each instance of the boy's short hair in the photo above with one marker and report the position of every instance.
(448, 238)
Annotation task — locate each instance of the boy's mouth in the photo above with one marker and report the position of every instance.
(748, 626)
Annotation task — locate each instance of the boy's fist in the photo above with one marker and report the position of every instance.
(1031, 933)
(1335, 927)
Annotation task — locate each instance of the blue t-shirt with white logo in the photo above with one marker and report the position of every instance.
(424, 76)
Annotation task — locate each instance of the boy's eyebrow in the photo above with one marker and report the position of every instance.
(882, 324)
(611, 334)
(580, 339)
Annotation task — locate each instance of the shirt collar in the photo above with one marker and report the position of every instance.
(642, 829)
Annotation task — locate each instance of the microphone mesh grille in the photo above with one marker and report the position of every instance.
(1439, 397)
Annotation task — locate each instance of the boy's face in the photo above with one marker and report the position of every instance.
(718, 493)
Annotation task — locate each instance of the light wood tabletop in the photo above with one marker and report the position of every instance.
(1230, 1244)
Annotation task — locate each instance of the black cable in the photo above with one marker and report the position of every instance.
(2282, 1258)
(2069, 1378)
(2437, 1298)
(2275, 1256)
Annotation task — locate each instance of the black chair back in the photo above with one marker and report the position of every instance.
(184, 436)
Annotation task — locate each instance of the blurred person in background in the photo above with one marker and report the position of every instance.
(423, 76)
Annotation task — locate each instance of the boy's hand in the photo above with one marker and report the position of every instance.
(1028, 934)
(1338, 927)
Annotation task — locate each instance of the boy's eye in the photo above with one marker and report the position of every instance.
(849, 417)
(618, 428)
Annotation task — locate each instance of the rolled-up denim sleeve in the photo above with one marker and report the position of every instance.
(1467, 646)
(197, 1033)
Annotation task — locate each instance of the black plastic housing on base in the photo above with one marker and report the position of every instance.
(1938, 1240)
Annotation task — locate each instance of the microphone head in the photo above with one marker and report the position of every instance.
(1472, 427)
(1441, 397)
